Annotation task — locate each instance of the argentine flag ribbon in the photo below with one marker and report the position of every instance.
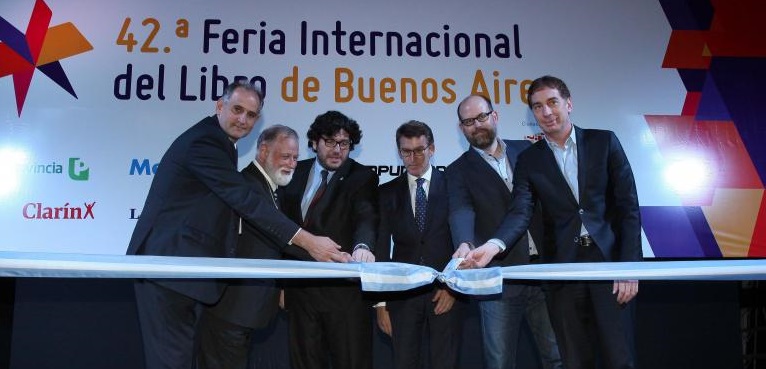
(386, 277)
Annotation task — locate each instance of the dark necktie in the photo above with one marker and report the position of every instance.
(317, 195)
(420, 205)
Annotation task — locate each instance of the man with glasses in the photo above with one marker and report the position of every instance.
(584, 182)
(413, 221)
(479, 186)
(334, 196)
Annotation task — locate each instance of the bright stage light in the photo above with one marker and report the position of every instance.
(12, 160)
(688, 175)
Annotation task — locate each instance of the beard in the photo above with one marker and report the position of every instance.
(482, 138)
(277, 176)
(280, 178)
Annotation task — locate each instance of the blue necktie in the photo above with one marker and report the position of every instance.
(420, 205)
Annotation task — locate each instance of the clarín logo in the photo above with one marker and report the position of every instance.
(41, 47)
(38, 210)
(77, 169)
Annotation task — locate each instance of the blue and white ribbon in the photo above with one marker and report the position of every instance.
(374, 276)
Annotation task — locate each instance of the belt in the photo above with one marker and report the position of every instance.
(584, 241)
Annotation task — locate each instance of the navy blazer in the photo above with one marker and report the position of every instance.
(347, 211)
(608, 201)
(432, 247)
(191, 205)
(479, 201)
(252, 303)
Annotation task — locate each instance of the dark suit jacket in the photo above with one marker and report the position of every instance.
(347, 213)
(479, 201)
(252, 302)
(608, 203)
(191, 205)
(431, 248)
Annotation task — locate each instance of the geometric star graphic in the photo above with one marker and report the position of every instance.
(40, 48)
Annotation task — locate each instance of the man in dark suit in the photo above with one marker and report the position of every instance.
(413, 221)
(479, 183)
(334, 196)
(249, 304)
(584, 183)
(191, 210)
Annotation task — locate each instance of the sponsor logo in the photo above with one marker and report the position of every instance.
(395, 170)
(40, 48)
(535, 137)
(77, 169)
(143, 167)
(38, 210)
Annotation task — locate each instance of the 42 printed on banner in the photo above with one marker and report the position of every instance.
(149, 28)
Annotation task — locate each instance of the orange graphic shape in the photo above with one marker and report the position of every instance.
(61, 42)
(732, 217)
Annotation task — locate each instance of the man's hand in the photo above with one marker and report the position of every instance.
(461, 251)
(625, 290)
(480, 256)
(384, 320)
(320, 248)
(443, 300)
(363, 255)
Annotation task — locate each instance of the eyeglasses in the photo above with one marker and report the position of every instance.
(467, 122)
(418, 152)
(343, 144)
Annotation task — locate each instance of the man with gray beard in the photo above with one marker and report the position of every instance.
(250, 304)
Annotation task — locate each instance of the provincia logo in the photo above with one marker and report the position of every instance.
(41, 48)
(77, 169)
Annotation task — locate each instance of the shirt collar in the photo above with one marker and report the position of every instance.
(500, 149)
(427, 176)
(272, 185)
(318, 168)
(572, 138)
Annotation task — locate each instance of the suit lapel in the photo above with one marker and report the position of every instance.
(333, 186)
(482, 168)
(436, 189)
(404, 201)
(252, 173)
(581, 161)
(550, 164)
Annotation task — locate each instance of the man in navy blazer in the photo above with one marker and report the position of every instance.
(585, 186)
(479, 183)
(334, 196)
(408, 314)
(250, 304)
(191, 210)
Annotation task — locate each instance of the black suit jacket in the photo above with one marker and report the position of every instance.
(479, 201)
(191, 205)
(252, 302)
(347, 213)
(431, 248)
(608, 202)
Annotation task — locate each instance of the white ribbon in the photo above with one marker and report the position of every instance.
(374, 276)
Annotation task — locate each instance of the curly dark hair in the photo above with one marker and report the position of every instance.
(329, 124)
